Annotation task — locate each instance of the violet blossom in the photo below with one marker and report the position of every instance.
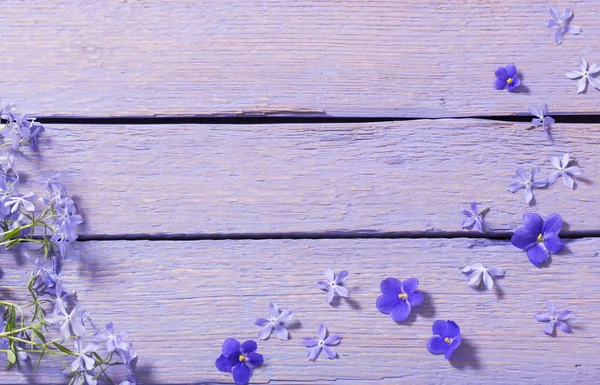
(586, 75)
(538, 238)
(239, 360)
(475, 218)
(527, 182)
(506, 77)
(275, 321)
(564, 170)
(562, 22)
(446, 338)
(541, 118)
(479, 274)
(554, 319)
(334, 284)
(399, 297)
(322, 343)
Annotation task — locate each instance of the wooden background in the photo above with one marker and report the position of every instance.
(193, 226)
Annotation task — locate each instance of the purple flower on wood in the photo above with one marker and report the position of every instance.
(475, 218)
(333, 285)
(586, 75)
(554, 319)
(20, 200)
(506, 77)
(239, 360)
(541, 118)
(564, 170)
(562, 22)
(527, 182)
(275, 321)
(322, 343)
(398, 297)
(446, 338)
(113, 341)
(480, 274)
(538, 238)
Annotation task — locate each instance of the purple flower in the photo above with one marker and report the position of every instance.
(527, 182)
(541, 118)
(323, 343)
(334, 284)
(113, 342)
(562, 22)
(398, 298)
(239, 360)
(475, 218)
(66, 320)
(16, 200)
(446, 338)
(585, 75)
(479, 273)
(83, 362)
(506, 77)
(554, 319)
(275, 321)
(538, 238)
(564, 170)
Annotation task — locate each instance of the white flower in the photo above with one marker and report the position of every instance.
(585, 75)
(275, 321)
(478, 273)
(563, 170)
(333, 285)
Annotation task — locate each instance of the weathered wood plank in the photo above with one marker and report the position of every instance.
(365, 58)
(396, 176)
(180, 300)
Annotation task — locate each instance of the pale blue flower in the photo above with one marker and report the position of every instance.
(541, 118)
(323, 342)
(586, 75)
(527, 182)
(275, 322)
(564, 170)
(562, 22)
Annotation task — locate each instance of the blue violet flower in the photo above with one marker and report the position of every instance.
(538, 238)
(239, 360)
(334, 284)
(446, 338)
(322, 343)
(506, 77)
(475, 218)
(554, 319)
(399, 297)
(565, 171)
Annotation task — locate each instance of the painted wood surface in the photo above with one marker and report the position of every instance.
(351, 58)
(180, 300)
(397, 176)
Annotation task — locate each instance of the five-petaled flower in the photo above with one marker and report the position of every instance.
(564, 170)
(562, 22)
(586, 75)
(479, 273)
(506, 77)
(541, 118)
(527, 182)
(446, 338)
(322, 343)
(334, 284)
(475, 218)
(554, 319)
(398, 297)
(275, 321)
(538, 238)
(239, 360)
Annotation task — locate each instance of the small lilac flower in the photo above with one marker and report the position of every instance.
(66, 320)
(20, 200)
(538, 238)
(275, 321)
(506, 77)
(334, 284)
(475, 218)
(323, 343)
(446, 338)
(399, 297)
(113, 342)
(554, 319)
(541, 118)
(562, 22)
(479, 273)
(527, 182)
(83, 361)
(239, 360)
(564, 170)
(585, 75)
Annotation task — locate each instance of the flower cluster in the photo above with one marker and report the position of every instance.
(20, 128)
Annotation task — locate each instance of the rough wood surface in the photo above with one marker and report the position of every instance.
(396, 176)
(180, 300)
(360, 58)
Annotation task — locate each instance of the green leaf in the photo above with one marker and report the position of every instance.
(10, 234)
(62, 348)
(40, 335)
(11, 356)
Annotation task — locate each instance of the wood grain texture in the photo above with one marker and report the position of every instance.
(396, 176)
(180, 300)
(360, 58)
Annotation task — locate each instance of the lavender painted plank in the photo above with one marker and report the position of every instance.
(361, 58)
(396, 176)
(180, 300)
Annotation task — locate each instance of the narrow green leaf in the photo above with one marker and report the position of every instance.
(62, 348)
(11, 356)
(39, 334)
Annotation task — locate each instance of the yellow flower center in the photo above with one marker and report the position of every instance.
(402, 296)
(242, 357)
(448, 340)
(540, 238)
(509, 81)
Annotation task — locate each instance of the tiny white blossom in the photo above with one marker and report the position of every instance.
(479, 273)
(585, 75)
(564, 170)
(275, 321)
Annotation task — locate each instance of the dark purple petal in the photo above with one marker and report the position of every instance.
(440, 328)
(552, 225)
(533, 223)
(501, 73)
(390, 286)
(466, 212)
(415, 298)
(401, 311)
(523, 238)
(553, 244)
(453, 329)
(514, 85)
(452, 347)
(537, 254)
(500, 84)
(474, 207)
(225, 364)
(249, 347)
(254, 360)
(410, 285)
(437, 345)
(563, 327)
(386, 303)
(511, 70)
(241, 374)
(323, 285)
(231, 347)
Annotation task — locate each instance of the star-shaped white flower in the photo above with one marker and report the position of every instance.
(275, 321)
(586, 75)
(564, 170)
(479, 273)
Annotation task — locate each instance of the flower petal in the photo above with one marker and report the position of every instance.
(552, 225)
(341, 277)
(558, 36)
(224, 364)
(563, 327)
(390, 286)
(285, 316)
(342, 291)
(534, 111)
(549, 328)
(514, 85)
(231, 346)
(437, 345)
(581, 84)
(595, 82)
(440, 328)
(330, 295)
(551, 308)
(474, 279)
(488, 282)
(313, 353)
(386, 303)
(568, 181)
(551, 23)
(574, 170)
(333, 339)
(453, 329)
(410, 285)
(248, 347)
(566, 15)
(583, 65)
(241, 374)
(329, 275)
(496, 272)
(401, 311)
(574, 29)
(415, 298)
(323, 285)
(322, 332)
(261, 322)
(329, 352)
(282, 332)
(468, 223)
(273, 310)
(553, 244)
(265, 332)
(511, 70)
(501, 73)
(528, 194)
(564, 315)
(309, 342)
(453, 346)
(500, 84)
(254, 360)
(515, 186)
(533, 222)
(552, 178)
(523, 238)
(543, 317)
(554, 13)
(594, 68)
(537, 254)
(556, 162)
